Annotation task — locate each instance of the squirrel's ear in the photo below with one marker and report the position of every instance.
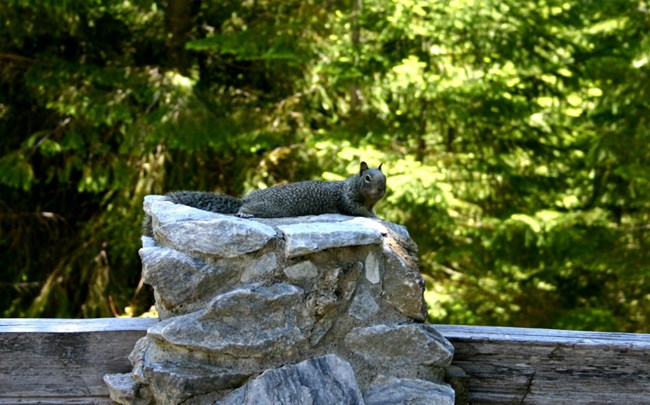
(364, 167)
(380, 165)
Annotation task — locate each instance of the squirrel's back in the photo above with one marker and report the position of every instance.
(355, 196)
(311, 197)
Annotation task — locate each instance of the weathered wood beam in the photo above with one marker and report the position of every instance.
(541, 366)
(62, 361)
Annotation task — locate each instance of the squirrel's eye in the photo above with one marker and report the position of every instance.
(368, 178)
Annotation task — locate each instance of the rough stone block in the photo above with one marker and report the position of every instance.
(199, 232)
(123, 389)
(163, 211)
(306, 238)
(250, 321)
(256, 269)
(404, 287)
(185, 283)
(301, 271)
(401, 345)
(363, 305)
(175, 384)
(173, 274)
(319, 381)
(391, 391)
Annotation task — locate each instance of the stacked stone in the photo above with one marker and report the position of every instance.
(322, 309)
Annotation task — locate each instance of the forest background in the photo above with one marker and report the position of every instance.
(515, 136)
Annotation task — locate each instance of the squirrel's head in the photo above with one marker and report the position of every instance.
(373, 183)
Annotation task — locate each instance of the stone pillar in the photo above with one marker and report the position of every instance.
(322, 309)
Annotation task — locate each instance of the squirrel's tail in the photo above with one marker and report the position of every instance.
(214, 202)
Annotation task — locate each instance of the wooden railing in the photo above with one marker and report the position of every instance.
(62, 361)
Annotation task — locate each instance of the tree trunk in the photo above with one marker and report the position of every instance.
(179, 26)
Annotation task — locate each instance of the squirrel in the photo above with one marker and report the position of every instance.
(354, 196)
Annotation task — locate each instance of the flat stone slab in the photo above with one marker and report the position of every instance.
(305, 238)
(401, 345)
(166, 211)
(175, 384)
(196, 231)
(325, 380)
(249, 321)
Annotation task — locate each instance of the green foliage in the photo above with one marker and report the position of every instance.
(515, 136)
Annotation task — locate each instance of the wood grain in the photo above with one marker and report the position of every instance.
(62, 361)
(540, 366)
(55, 361)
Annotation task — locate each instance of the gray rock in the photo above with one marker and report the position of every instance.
(123, 389)
(174, 376)
(373, 269)
(307, 219)
(184, 284)
(250, 321)
(174, 275)
(220, 237)
(163, 211)
(401, 345)
(175, 384)
(397, 232)
(323, 380)
(150, 199)
(373, 223)
(147, 241)
(321, 302)
(195, 231)
(363, 305)
(305, 238)
(392, 391)
(301, 271)
(330, 301)
(404, 286)
(137, 358)
(260, 268)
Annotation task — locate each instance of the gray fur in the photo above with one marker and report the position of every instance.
(355, 196)
(213, 202)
